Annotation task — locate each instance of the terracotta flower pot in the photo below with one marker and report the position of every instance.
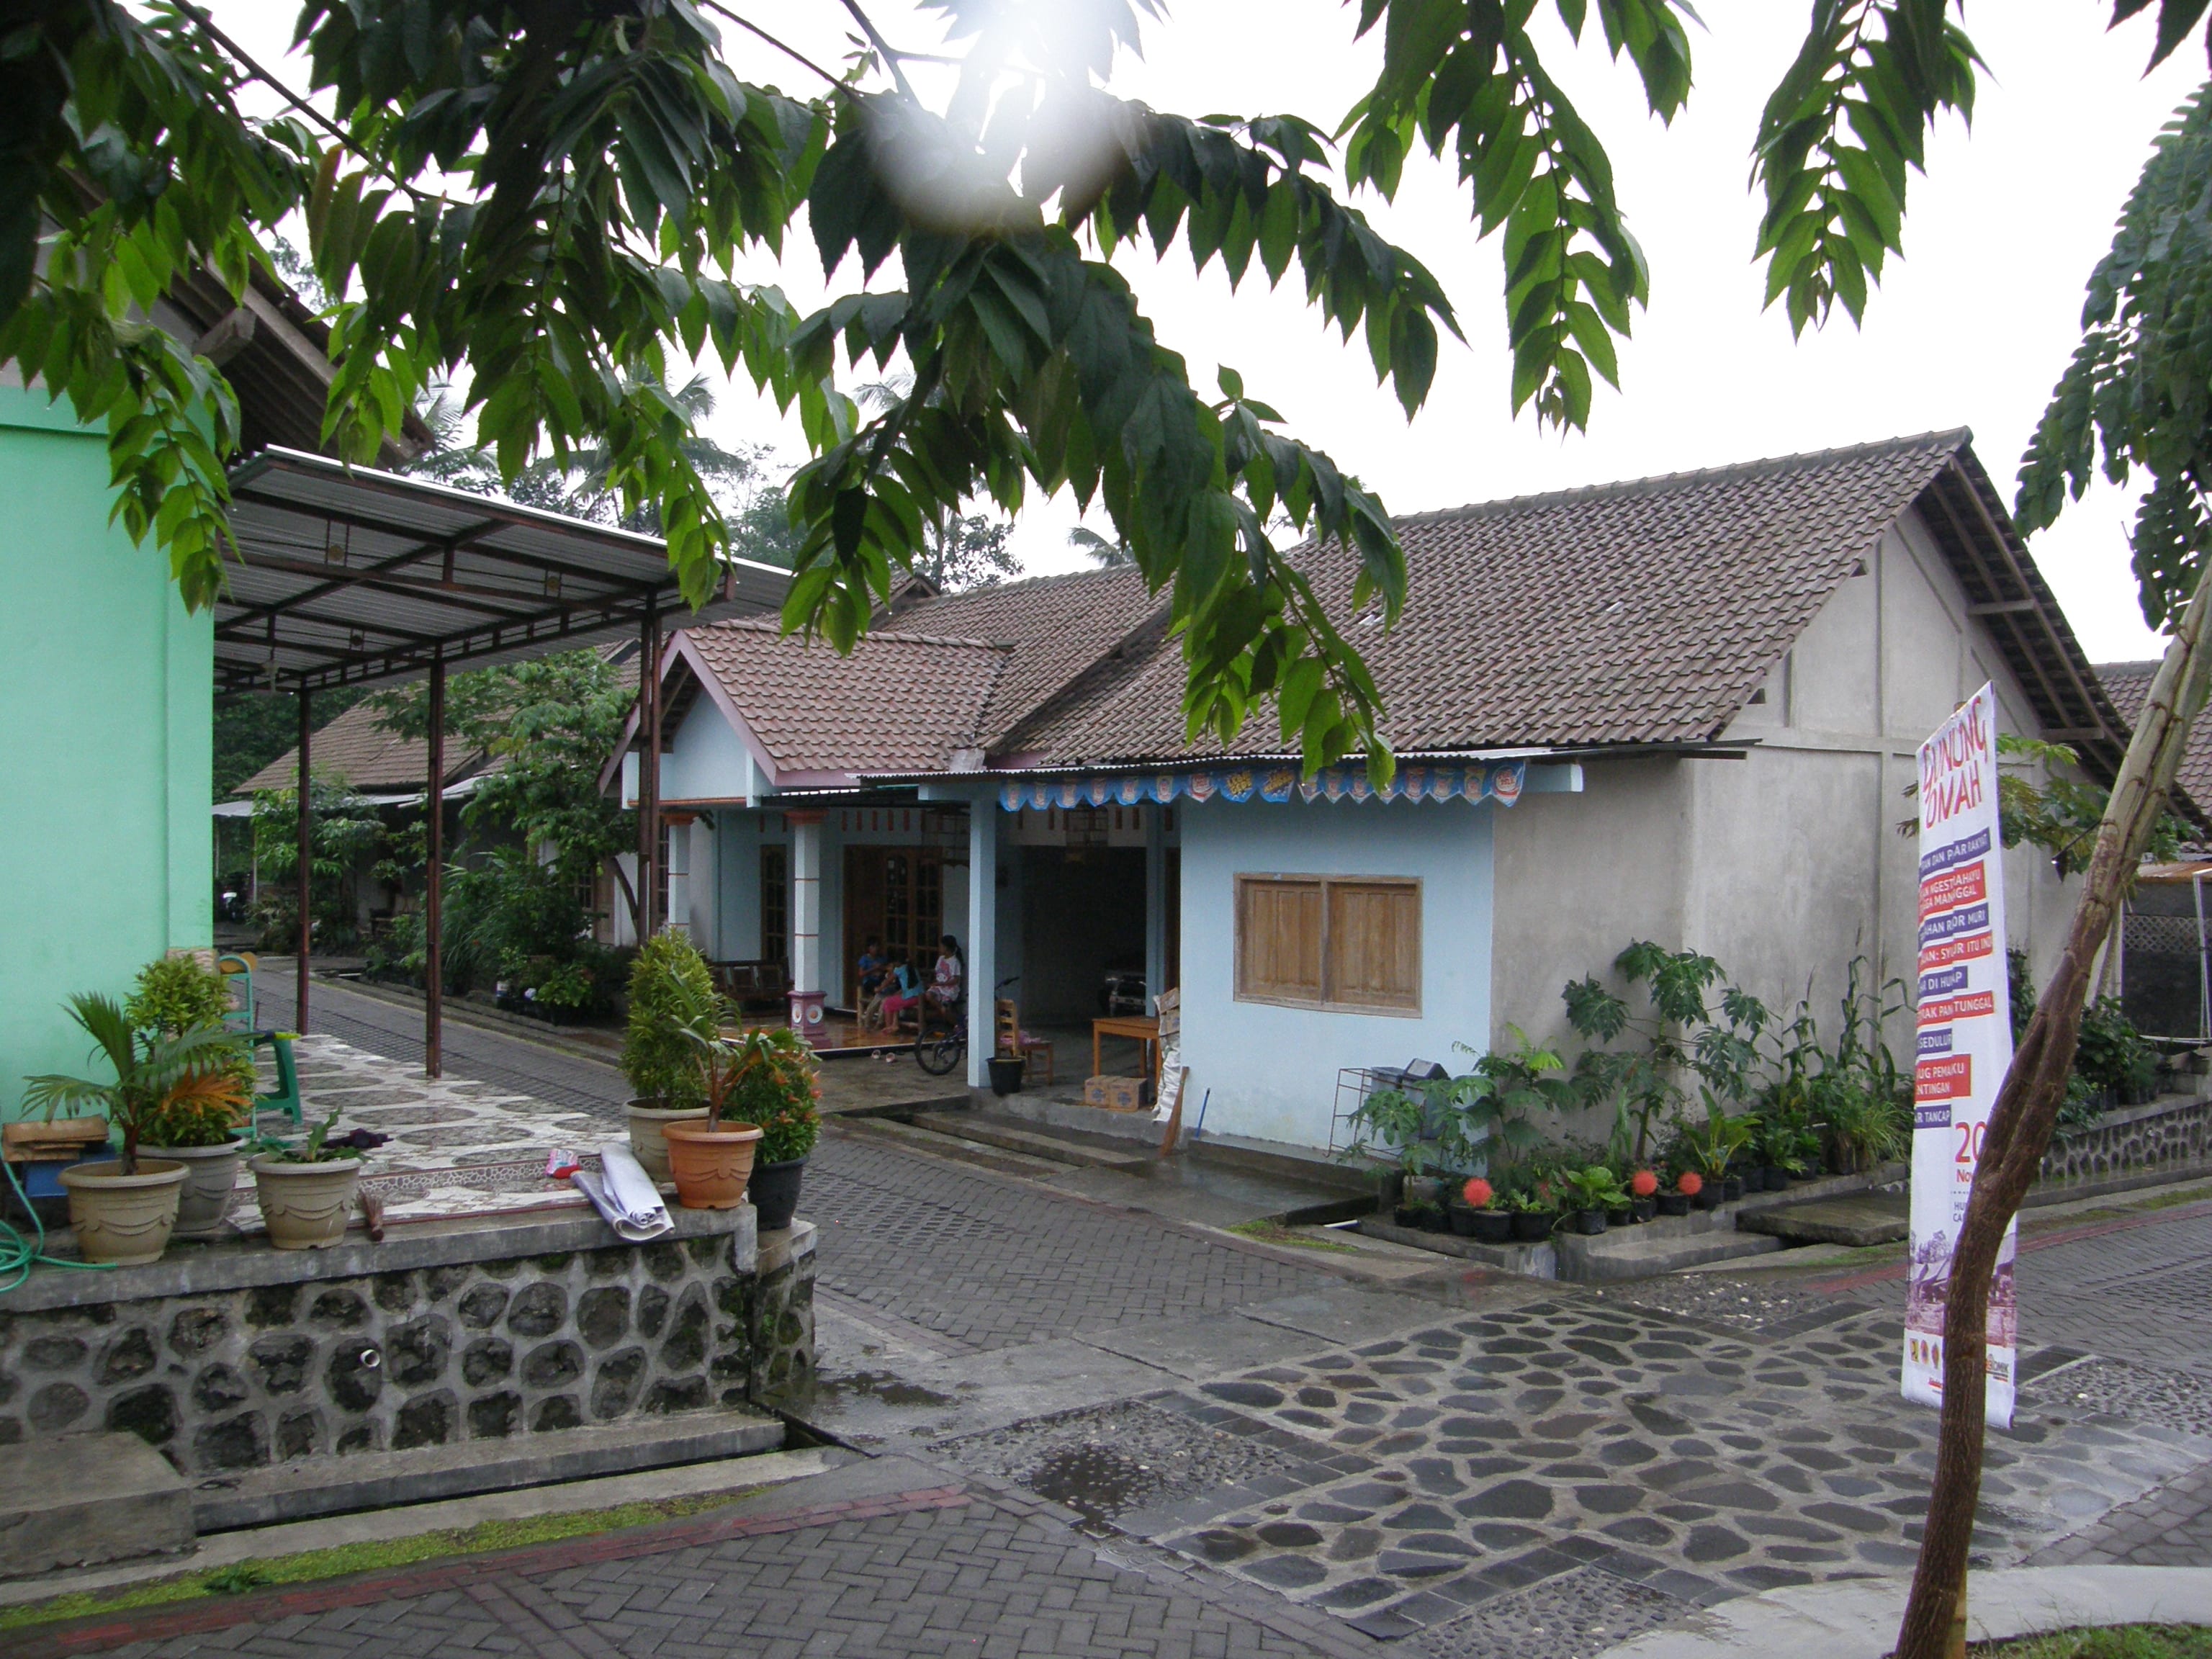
(210, 1184)
(124, 1218)
(711, 1166)
(647, 1120)
(305, 1206)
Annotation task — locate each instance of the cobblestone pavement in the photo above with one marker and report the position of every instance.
(987, 1263)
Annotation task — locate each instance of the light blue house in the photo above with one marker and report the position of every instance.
(1680, 709)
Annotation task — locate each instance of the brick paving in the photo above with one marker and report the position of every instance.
(2171, 1527)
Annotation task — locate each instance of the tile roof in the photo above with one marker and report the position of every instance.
(2128, 683)
(904, 700)
(1054, 627)
(1630, 613)
(367, 755)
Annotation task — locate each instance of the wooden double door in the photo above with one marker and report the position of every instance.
(896, 893)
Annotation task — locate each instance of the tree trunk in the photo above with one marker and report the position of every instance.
(2020, 1128)
(629, 897)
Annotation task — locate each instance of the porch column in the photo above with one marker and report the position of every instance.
(648, 773)
(1156, 901)
(982, 941)
(304, 875)
(434, 880)
(806, 920)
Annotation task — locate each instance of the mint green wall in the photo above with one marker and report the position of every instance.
(106, 846)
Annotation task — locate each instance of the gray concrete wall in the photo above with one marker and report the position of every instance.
(1785, 864)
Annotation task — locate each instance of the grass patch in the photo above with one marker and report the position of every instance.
(2118, 1642)
(1267, 1231)
(313, 1565)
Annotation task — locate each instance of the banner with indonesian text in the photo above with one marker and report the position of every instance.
(1963, 1042)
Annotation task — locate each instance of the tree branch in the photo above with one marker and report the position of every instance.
(783, 46)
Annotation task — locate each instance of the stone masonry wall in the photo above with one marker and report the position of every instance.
(240, 1377)
(2167, 1133)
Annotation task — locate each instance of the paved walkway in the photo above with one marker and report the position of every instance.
(1110, 1431)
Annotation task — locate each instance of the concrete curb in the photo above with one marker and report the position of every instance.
(1857, 1618)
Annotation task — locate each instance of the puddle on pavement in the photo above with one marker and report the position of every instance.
(1096, 1481)
(885, 1386)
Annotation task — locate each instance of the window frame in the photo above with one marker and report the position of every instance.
(1240, 978)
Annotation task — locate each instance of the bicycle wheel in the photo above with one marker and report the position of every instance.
(940, 1050)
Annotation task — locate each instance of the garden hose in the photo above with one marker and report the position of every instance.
(19, 1255)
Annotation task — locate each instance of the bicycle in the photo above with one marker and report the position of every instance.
(940, 1040)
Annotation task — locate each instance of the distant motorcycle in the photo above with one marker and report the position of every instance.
(230, 903)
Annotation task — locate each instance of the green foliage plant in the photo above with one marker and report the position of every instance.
(2112, 1057)
(1678, 1034)
(668, 987)
(2060, 813)
(315, 1147)
(176, 995)
(151, 1071)
(343, 834)
(1593, 1186)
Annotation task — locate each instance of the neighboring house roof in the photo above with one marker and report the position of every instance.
(368, 757)
(1644, 612)
(902, 702)
(2128, 683)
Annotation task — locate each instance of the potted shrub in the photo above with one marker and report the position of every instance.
(124, 1209)
(1643, 1195)
(197, 1121)
(711, 1161)
(668, 983)
(1487, 1226)
(306, 1188)
(779, 1095)
(1532, 1218)
(1589, 1194)
(1687, 1187)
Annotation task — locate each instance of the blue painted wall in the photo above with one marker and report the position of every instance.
(1272, 1070)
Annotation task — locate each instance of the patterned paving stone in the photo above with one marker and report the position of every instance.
(2180, 1399)
(1742, 1464)
(1575, 1615)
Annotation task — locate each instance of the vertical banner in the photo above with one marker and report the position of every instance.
(1963, 1044)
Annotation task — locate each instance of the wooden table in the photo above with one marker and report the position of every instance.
(1142, 1029)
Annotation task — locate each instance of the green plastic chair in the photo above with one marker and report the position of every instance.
(285, 1098)
(234, 967)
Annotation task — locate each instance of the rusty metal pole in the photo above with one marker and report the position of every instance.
(434, 881)
(648, 773)
(306, 873)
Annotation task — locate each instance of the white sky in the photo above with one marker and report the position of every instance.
(1971, 328)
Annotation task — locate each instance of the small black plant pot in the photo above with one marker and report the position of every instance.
(773, 1190)
(1406, 1215)
(1732, 1190)
(1623, 1216)
(1644, 1209)
(1531, 1226)
(1006, 1074)
(1588, 1223)
(1491, 1226)
(1673, 1203)
(1461, 1220)
(1710, 1197)
(1773, 1179)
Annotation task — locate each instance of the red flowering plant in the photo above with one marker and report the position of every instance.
(1476, 1195)
(1690, 1184)
(1643, 1184)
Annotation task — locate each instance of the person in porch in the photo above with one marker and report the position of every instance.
(873, 979)
(902, 990)
(945, 982)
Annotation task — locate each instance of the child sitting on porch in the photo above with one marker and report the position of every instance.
(900, 992)
(945, 984)
(873, 979)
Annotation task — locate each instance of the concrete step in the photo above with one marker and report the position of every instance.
(307, 1487)
(1064, 1147)
(1633, 1254)
(1858, 1220)
(75, 1500)
(891, 1131)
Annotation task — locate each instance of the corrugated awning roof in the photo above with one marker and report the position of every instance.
(350, 577)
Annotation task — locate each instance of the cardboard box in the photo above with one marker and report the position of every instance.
(1117, 1094)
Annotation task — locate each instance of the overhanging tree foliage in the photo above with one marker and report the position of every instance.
(546, 202)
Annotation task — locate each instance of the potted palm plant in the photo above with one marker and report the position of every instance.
(669, 984)
(197, 1122)
(711, 1161)
(124, 1209)
(306, 1187)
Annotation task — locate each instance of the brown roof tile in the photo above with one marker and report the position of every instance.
(1638, 612)
(902, 702)
(355, 748)
(2128, 683)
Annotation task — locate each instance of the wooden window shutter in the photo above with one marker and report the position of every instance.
(1375, 944)
(1278, 953)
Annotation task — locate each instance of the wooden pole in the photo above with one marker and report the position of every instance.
(306, 872)
(648, 773)
(434, 881)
